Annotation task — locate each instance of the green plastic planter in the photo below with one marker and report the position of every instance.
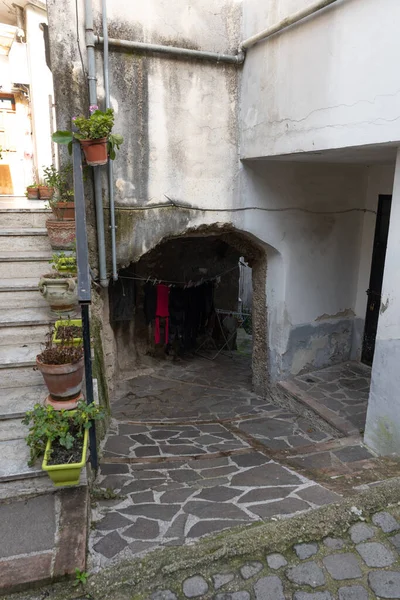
(67, 474)
(63, 323)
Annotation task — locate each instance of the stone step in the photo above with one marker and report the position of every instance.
(17, 336)
(24, 299)
(14, 402)
(18, 356)
(25, 264)
(13, 218)
(19, 377)
(12, 429)
(19, 325)
(14, 461)
(34, 238)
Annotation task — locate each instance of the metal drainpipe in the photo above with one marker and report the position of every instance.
(98, 195)
(110, 162)
(287, 22)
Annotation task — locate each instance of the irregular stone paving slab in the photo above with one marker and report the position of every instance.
(333, 543)
(163, 595)
(314, 596)
(395, 539)
(269, 588)
(251, 569)
(221, 579)
(308, 573)
(385, 584)
(375, 554)
(360, 532)
(276, 561)
(342, 566)
(110, 545)
(233, 596)
(353, 592)
(304, 551)
(194, 587)
(386, 522)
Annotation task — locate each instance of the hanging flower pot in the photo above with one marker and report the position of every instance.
(95, 151)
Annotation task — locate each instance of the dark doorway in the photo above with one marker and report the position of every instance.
(376, 278)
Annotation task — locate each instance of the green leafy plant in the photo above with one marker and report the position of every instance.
(60, 262)
(60, 426)
(59, 180)
(81, 577)
(98, 125)
(32, 185)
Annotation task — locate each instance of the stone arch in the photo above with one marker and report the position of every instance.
(257, 254)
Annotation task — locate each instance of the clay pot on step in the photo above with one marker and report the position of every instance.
(61, 233)
(45, 192)
(64, 210)
(32, 193)
(61, 293)
(95, 151)
(64, 382)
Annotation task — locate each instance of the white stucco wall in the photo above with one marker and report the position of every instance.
(328, 82)
(41, 88)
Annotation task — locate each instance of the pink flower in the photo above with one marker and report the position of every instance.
(93, 107)
(74, 118)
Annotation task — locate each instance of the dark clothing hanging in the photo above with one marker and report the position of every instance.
(150, 302)
(121, 295)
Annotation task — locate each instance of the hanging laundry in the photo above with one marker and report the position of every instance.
(162, 311)
(150, 302)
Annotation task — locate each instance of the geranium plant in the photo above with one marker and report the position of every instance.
(96, 127)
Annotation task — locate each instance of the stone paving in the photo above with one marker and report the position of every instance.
(343, 389)
(362, 564)
(192, 451)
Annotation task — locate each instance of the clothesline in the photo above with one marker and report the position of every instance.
(185, 284)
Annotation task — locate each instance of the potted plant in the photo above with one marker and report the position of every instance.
(62, 368)
(94, 135)
(48, 185)
(32, 191)
(62, 438)
(59, 288)
(61, 227)
(68, 332)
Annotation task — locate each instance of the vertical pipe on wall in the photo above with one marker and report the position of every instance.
(98, 193)
(110, 162)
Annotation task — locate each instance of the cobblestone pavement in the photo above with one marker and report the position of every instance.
(362, 564)
(343, 389)
(191, 451)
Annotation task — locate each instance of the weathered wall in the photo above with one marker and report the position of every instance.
(325, 83)
(383, 417)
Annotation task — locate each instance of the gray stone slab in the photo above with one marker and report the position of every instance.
(263, 494)
(252, 459)
(205, 527)
(360, 532)
(266, 475)
(221, 579)
(233, 596)
(353, 592)
(269, 588)
(395, 539)
(386, 522)
(312, 596)
(282, 507)
(143, 529)
(162, 512)
(139, 547)
(342, 566)
(163, 595)
(14, 461)
(250, 569)
(112, 520)
(110, 545)
(353, 454)
(318, 495)
(305, 551)
(333, 543)
(113, 469)
(176, 496)
(213, 510)
(27, 526)
(276, 561)
(375, 554)
(185, 476)
(218, 494)
(308, 573)
(195, 586)
(385, 584)
(177, 528)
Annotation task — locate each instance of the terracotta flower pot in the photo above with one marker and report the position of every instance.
(45, 192)
(64, 382)
(61, 233)
(95, 151)
(65, 211)
(61, 294)
(32, 193)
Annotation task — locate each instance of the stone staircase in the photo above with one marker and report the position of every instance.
(25, 319)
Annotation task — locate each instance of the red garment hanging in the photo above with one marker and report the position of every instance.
(162, 310)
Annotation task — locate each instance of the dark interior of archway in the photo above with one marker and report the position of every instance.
(199, 274)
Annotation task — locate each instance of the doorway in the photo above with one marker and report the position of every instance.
(376, 278)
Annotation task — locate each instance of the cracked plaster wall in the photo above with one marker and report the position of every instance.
(327, 82)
